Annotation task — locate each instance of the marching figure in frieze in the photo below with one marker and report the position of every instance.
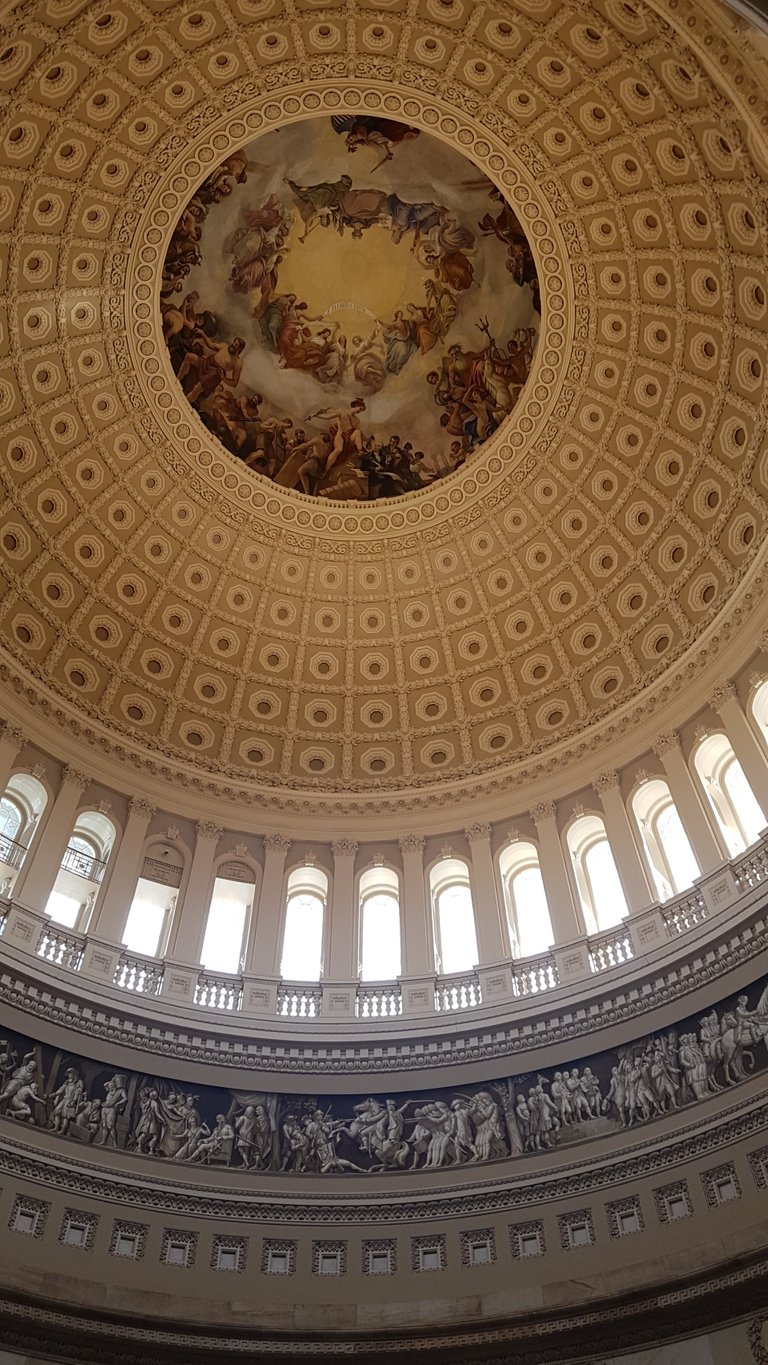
(68, 1101)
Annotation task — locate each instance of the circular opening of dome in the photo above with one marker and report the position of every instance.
(350, 327)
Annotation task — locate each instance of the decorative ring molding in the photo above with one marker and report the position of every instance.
(149, 218)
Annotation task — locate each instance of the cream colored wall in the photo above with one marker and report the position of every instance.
(730, 1347)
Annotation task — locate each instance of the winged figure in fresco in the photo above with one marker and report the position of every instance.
(365, 130)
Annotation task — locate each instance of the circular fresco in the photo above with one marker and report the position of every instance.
(350, 306)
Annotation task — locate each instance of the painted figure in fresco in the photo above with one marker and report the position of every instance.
(89, 1117)
(296, 1146)
(434, 1132)
(68, 1101)
(321, 203)
(23, 1102)
(23, 1075)
(365, 130)
(490, 1140)
(151, 1125)
(345, 430)
(214, 1144)
(113, 1105)
(694, 1066)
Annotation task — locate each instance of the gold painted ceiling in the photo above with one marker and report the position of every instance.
(190, 614)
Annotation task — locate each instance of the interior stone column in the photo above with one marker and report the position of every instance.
(563, 912)
(492, 942)
(632, 874)
(688, 802)
(12, 741)
(110, 920)
(418, 945)
(343, 930)
(746, 746)
(35, 881)
(190, 926)
(264, 949)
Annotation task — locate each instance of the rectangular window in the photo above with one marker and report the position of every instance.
(429, 1258)
(676, 1207)
(380, 1263)
(76, 1234)
(579, 1234)
(725, 1189)
(277, 1263)
(480, 1253)
(126, 1245)
(226, 1258)
(329, 1263)
(25, 1221)
(176, 1253)
(530, 1244)
(628, 1222)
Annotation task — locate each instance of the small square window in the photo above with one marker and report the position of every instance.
(329, 1263)
(226, 1258)
(579, 1234)
(677, 1207)
(126, 1245)
(429, 1258)
(25, 1221)
(277, 1263)
(76, 1235)
(176, 1253)
(725, 1189)
(529, 1244)
(380, 1263)
(628, 1222)
(480, 1253)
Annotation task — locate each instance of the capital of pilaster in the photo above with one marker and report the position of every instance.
(477, 834)
(206, 829)
(722, 694)
(344, 848)
(545, 810)
(412, 843)
(141, 808)
(74, 778)
(605, 782)
(13, 736)
(276, 843)
(666, 742)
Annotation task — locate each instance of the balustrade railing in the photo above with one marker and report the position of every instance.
(219, 992)
(83, 864)
(379, 1001)
(63, 949)
(534, 975)
(684, 913)
(611, 949)
(141, 974)
(607, 951)
(751, 868)
(457, 993)
(11, 853)
(298, 1001)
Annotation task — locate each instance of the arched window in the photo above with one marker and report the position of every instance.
(729, 794)
(154, 900)
(525, 899)
(82, 870)
(668, 850)
(379, 925)
(453, 917)
(11, 817)
(228, 915)
(21, 806)
(759, 707)
(306, 899)
(597, 878)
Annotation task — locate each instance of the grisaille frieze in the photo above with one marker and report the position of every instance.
(265, 1132)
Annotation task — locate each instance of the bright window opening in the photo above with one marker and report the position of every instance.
(230, 908)
(600, 890)
(738, 814)
(302, 958)
(454, 917)
(530, 927)
(667, 848)
(380, 952)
